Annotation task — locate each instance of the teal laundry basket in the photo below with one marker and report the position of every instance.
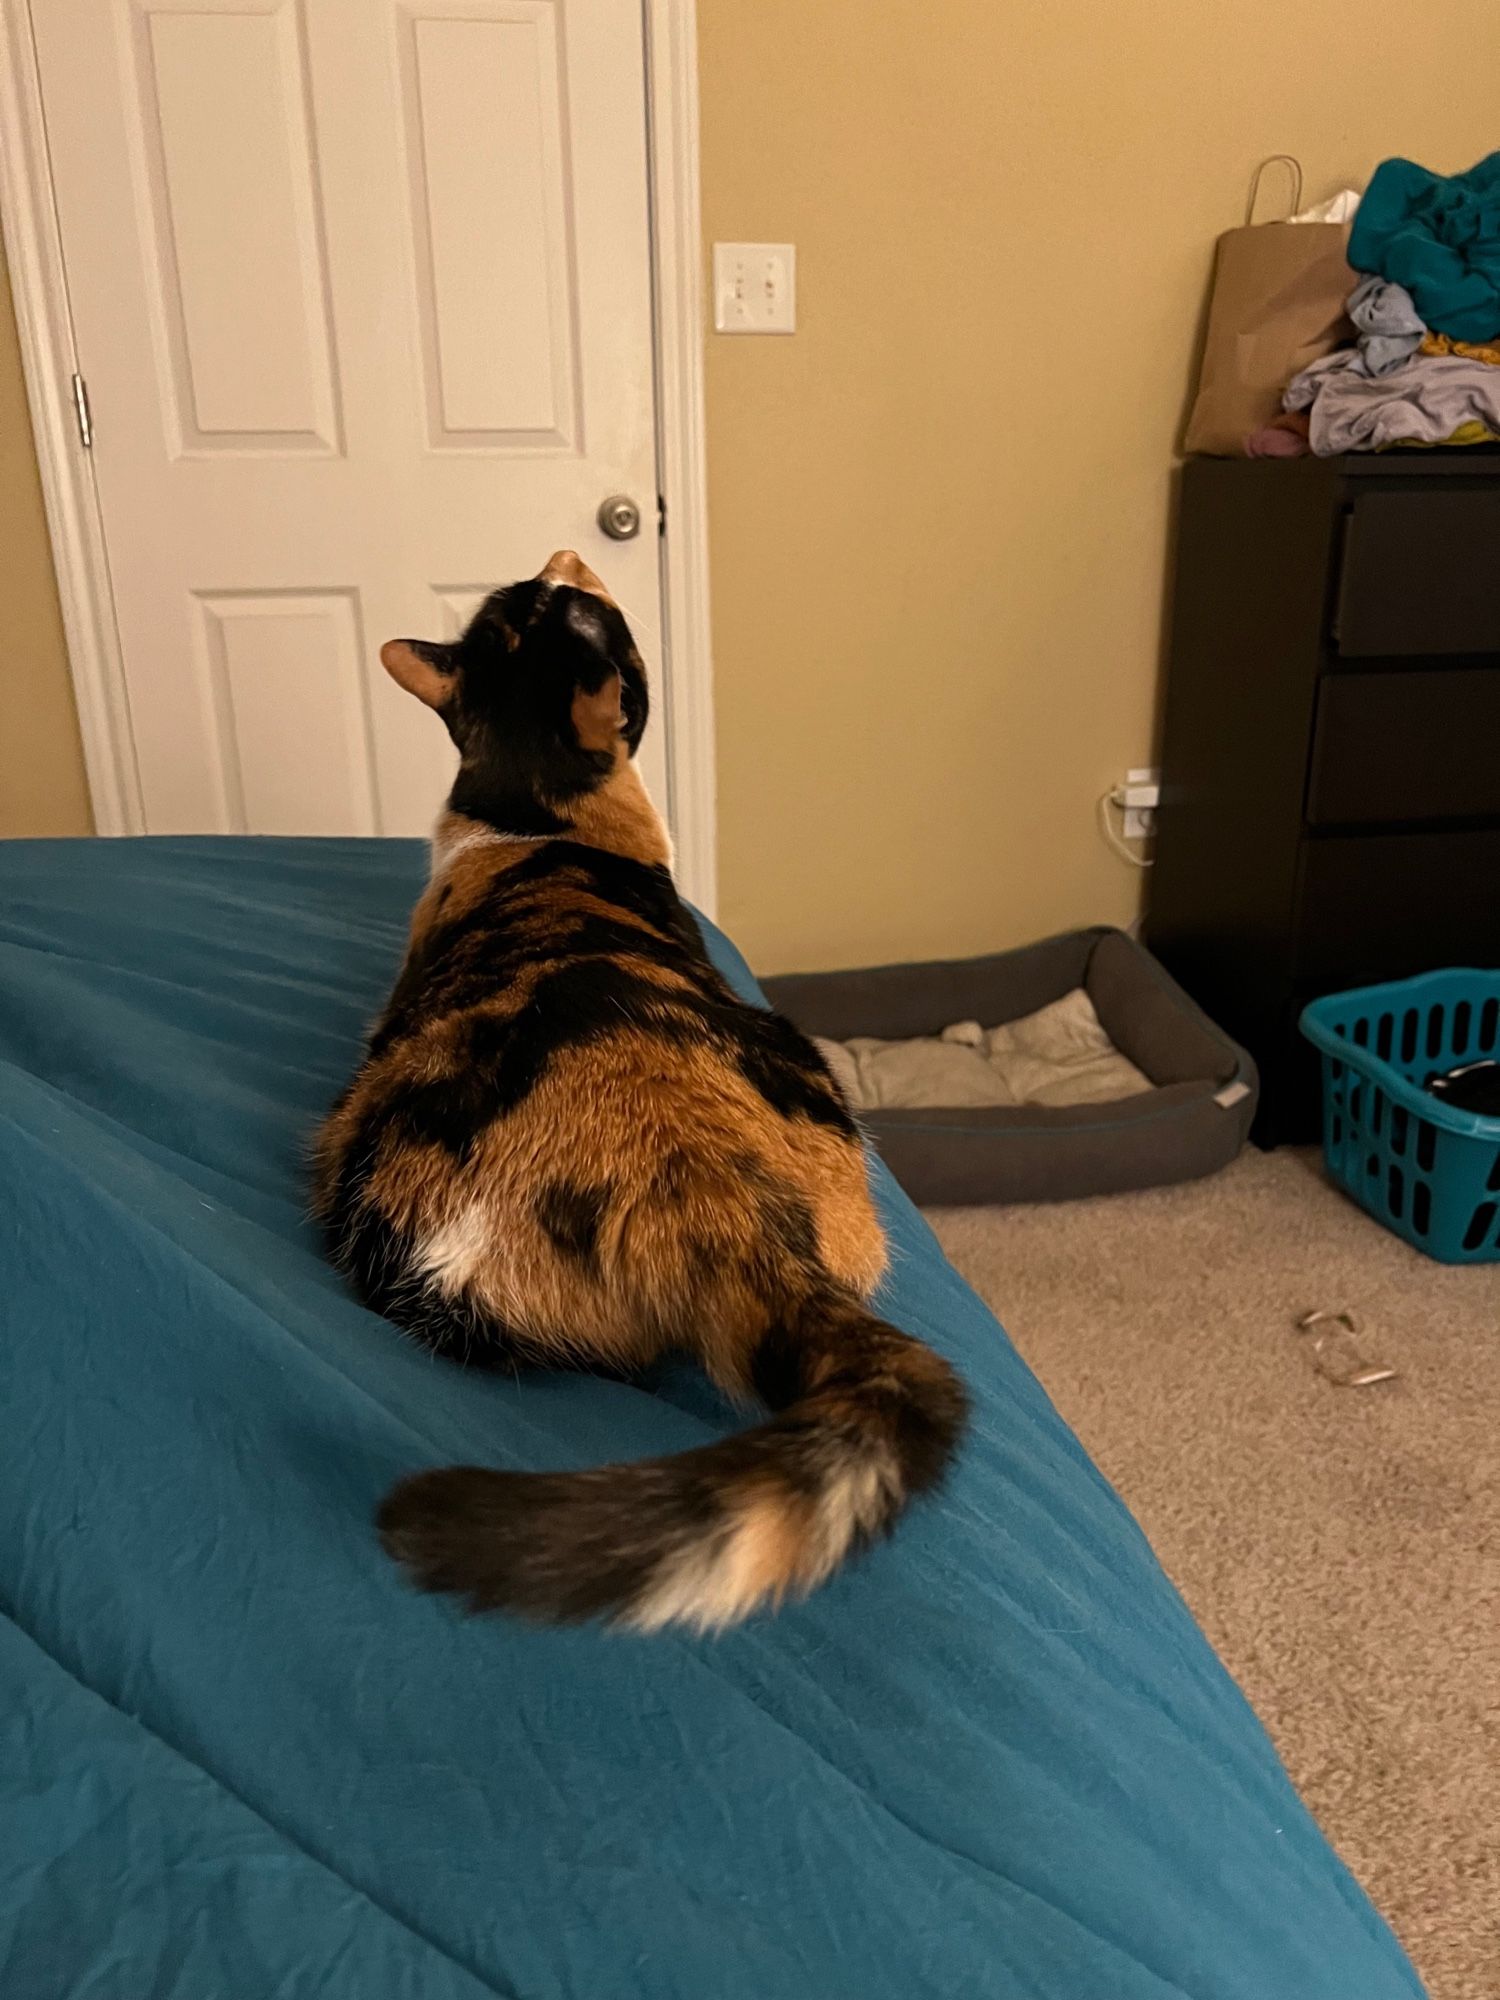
(1422, 1167)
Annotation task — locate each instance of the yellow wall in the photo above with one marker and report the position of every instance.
(939, 509)
(42, 787)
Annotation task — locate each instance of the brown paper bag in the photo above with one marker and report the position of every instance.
(1277, 303)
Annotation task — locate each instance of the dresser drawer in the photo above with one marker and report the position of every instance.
(1418, 574)
(1383, 905)
(1412, 745)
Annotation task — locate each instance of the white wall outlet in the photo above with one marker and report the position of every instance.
(1139, 797)
(755, 288)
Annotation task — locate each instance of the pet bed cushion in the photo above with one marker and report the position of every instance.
(1058, 1055)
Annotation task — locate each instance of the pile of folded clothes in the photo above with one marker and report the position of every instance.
(1426, 366)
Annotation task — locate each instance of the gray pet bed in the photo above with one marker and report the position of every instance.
(1194, 1121)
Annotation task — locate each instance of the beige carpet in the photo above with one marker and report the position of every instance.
(1340, 1547)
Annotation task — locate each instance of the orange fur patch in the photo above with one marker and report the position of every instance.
(620, 818)
(567, 567)
(408, 669)
(597, 717)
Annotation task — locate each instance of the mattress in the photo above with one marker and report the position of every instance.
(241, 1758)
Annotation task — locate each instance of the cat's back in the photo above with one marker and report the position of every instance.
(566, 1102)
(556, 995)
(524, 935)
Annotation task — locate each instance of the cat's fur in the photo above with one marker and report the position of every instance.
(570, 1143)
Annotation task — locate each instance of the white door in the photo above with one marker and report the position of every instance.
(361, 295)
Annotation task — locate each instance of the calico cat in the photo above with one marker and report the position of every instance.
(570, 1143)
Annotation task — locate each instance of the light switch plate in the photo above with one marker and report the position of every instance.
(755, 288)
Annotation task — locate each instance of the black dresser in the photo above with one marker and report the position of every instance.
(1330, 752)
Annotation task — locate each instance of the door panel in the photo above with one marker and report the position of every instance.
(276, 654)
(361, 291)
(491, 215)
(241, 313)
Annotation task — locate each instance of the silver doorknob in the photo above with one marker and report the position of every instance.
(619, 517)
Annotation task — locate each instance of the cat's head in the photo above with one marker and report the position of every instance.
(544, 695)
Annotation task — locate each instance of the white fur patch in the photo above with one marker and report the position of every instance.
(446, 847)
(707, 1587)
(716, 1583)
(455, 1250)
(856, 1498)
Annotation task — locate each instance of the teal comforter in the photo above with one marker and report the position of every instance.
(242, 1760)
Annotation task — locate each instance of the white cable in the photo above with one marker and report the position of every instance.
(1112, 839)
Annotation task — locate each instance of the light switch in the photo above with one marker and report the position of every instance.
(755, 288)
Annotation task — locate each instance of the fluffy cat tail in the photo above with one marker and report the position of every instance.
(867, 1418)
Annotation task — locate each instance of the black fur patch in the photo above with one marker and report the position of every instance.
(778, 1368)
(572, 1216)
(584, 993)
(787, 1230)
(773, 1059)
(512, 1539)
(525, 655)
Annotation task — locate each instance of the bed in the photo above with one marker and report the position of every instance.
(242, 1759)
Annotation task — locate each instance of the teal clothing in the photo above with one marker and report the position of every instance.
(1438, 237)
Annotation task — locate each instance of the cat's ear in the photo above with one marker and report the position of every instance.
(599, 718)
(426, 670)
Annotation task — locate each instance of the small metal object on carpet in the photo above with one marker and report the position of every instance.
(1336, 1351)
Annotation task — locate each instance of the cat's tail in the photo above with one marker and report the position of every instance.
(866, 1419)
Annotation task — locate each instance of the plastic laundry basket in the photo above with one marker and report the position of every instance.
(1425, 1169)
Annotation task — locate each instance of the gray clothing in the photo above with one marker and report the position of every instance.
(1389, 326)
(1424, 401)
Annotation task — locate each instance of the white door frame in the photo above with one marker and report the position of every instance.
(33, 246)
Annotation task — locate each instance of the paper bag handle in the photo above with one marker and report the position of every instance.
(1294, 170)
